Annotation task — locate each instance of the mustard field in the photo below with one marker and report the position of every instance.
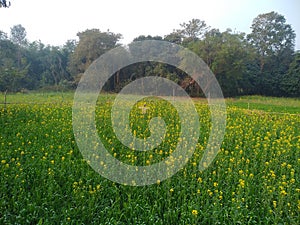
(253, 180)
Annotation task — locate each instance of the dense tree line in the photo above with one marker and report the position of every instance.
(25, 65)
(263, 62)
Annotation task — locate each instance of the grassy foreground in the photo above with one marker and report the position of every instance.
(253, 180)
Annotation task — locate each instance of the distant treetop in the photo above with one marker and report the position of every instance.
(4, 3)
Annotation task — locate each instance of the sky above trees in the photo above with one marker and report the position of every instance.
(54, 22)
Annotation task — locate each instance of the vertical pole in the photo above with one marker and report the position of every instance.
(5, 93)
(173, 94)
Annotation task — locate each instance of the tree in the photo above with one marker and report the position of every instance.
(48, 65)
(4, 4)
(92, 44)
(55, 66)
(3, 35)
(208, 48)
(274, 42)
(228, 56)
(11, 74)
(174, 37)
(18, 35)
(193, 30)
(271, 36)
(291, 80)
(35, 54)
(66, 52)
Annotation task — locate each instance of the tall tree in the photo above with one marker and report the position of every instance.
(231, 63)
(228, 56)
(18, 35)
(193, 30)
(271, 36)
(92, 43)
(4, 4)
(36, 56)
(274, 42)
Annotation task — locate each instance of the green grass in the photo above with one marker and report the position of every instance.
(268, 104)
(45, 180)
(37, 97)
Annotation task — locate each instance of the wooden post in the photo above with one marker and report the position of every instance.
(173, 94)
(5, 93)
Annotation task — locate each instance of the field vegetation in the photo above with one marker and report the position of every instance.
(253, 180)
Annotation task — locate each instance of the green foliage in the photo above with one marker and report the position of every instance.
(266, 104)
(18, 35)
(271, 35)
(229, 56)
(149, 37)
(174, 37)
(258, 63)
(92, 44)
(274, 42)
(32, 65)
(193, 30)
(291, 80)
(11, 77)
(12, 69)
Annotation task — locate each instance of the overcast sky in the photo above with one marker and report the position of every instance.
(55, 21)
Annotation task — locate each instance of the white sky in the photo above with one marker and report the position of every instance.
(55, 21)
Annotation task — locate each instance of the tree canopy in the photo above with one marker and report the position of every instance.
(92, 44)
(271, 36)
(4, 4)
